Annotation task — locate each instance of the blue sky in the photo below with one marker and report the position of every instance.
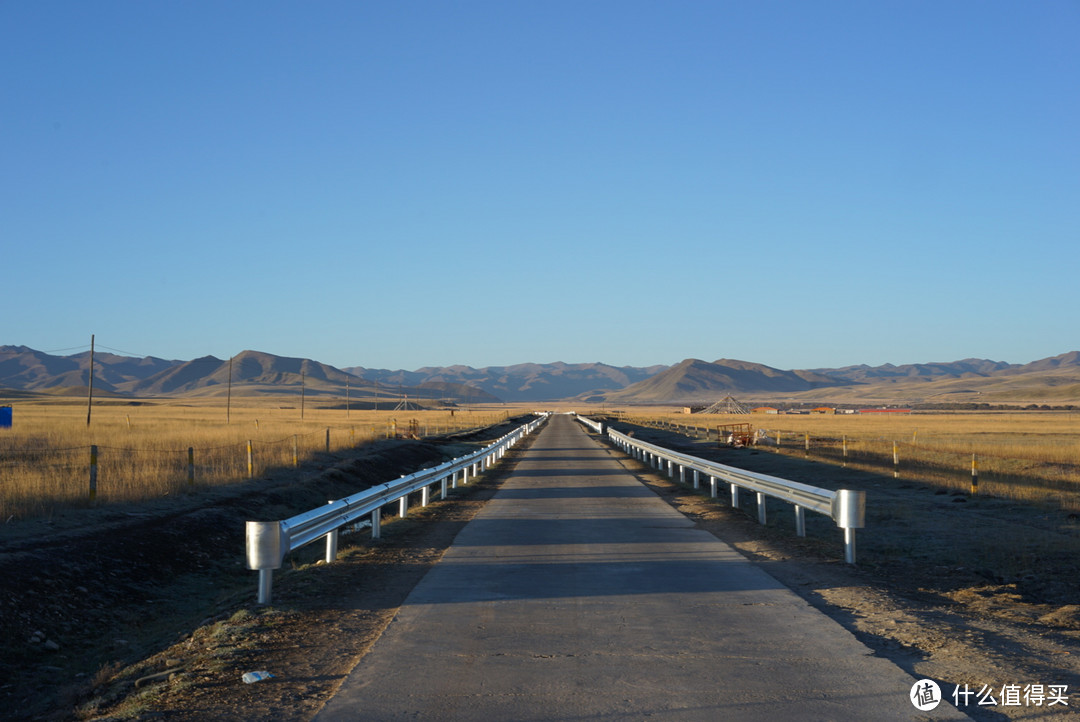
(403, 184)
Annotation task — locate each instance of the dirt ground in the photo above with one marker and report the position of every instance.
(148, 613)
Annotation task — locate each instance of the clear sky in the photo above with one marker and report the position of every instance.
(414, 183)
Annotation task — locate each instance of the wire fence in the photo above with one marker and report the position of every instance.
(1031, 480)
(37, 478)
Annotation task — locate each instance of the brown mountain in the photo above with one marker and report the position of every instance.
(252, 371)
(1065, 361)
(928, 371)
(696, 381)
(27, 369)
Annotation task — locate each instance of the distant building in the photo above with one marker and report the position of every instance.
(764, 410)
(823, 410)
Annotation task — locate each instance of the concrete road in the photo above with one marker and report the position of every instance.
(577, 593)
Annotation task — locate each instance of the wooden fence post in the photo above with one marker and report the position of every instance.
(93, 472)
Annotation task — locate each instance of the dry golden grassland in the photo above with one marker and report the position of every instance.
(1029, 455)
(143, 446)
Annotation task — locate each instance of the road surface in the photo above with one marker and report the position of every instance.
(577, 593)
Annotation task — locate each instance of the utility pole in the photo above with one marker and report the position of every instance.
(90, 397)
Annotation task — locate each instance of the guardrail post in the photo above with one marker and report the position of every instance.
(760, 508)
(734, 496)
(697, 479)
(403, 505)
(849, 512)
(331, 546)
(264, 552)
(442, 487)
(682, 474)
(712, 486)
(849, 546)
(800, 520)
(331, 542)
(425, 495)
(266, 586)
(376, 523)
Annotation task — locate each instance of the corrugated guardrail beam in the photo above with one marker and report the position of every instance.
(845, 507)
(269, 541)
(594, 425)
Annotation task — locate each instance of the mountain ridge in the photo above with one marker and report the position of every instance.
(690, 381)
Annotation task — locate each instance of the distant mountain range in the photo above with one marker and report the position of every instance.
(692, 381)
(254, 372)
(1051, 380)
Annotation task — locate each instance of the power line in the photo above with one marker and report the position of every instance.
(124, 353)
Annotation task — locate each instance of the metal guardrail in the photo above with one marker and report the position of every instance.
(594, 425)
(845, 507)
(268, 542)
